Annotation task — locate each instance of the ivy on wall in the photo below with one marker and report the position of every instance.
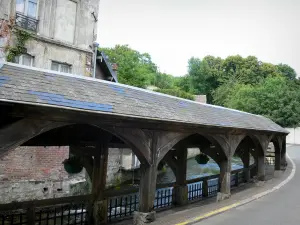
(13, 51)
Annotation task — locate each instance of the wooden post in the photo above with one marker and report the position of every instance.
(261, 167)
(205, 188)
(246, 165)
(225, 179)
(181, 189)
(99, 204)
(147, 189)
(283, 154)
(277, 160)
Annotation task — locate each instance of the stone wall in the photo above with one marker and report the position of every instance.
(28, 173)
(34, 163)
(37, 173)
(26, 190)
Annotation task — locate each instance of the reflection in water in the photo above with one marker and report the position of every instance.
(195, 170)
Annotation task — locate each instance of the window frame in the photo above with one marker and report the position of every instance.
(60, 64)
(25, 13)
(21, 59)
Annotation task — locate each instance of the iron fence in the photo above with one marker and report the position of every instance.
(62, 215)
(66, 214)
(73, 210)
(17, 217)
(122, 206)
(195, 191)
(163, 198)
(26, 22)
(213, 187)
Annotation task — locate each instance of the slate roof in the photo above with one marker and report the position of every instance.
(31, 85)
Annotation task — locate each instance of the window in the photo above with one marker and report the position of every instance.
(27, 7)
(26, 14)
(61, 67)
(25, 59)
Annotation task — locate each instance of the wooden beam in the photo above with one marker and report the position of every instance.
(21, 131)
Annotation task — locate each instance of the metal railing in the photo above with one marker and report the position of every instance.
(122, 206)
(26, 22)
(164, 198)
(120, 203)
(62, 211)
(195, 191)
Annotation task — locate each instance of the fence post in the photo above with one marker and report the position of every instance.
(205, 188)
(30, 213)
(237, 179)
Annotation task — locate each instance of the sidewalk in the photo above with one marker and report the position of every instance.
(179, 215)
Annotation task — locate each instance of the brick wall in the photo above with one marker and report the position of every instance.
(34, 163)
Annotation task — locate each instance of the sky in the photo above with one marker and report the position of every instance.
(172, 31)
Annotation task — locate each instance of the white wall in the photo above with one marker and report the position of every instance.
(294, 135)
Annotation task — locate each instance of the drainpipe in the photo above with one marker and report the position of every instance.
(95, 45)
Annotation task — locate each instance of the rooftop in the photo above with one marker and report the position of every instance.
(35, 86)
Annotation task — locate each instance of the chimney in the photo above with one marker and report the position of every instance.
(200, 98)
(114, 67)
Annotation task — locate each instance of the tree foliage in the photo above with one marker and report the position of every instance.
(241, 83)
(276, 98)
(134, 68)
(177, 93)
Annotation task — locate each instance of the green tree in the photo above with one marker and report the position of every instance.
(183, 83)
(177, 93)
(287, 71)
(134, 68)
(164, 81)
(203, 79)
(276, 97)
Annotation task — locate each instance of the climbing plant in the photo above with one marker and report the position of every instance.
(19, 48)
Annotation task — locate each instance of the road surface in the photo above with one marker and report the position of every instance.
(281, 207)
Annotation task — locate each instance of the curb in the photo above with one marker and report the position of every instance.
(243, 202)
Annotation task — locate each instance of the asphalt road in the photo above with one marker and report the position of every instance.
(282, 207)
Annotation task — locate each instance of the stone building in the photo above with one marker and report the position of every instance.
(63, 32)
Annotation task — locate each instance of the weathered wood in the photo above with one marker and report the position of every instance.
(225, 176)
(229, 142)
(261, 172)
(100, 170)
(181, 166)
(98, 205)
(136, 139)
(246, 161)
(148, 178)
(167, 140)
(21, 131)
(205, 188)
(71, 116)
(171, 161)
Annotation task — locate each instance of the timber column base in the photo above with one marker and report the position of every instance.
(222, 196)
(247, 174)
(140, 218)
(181, 195)
(100, 212)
